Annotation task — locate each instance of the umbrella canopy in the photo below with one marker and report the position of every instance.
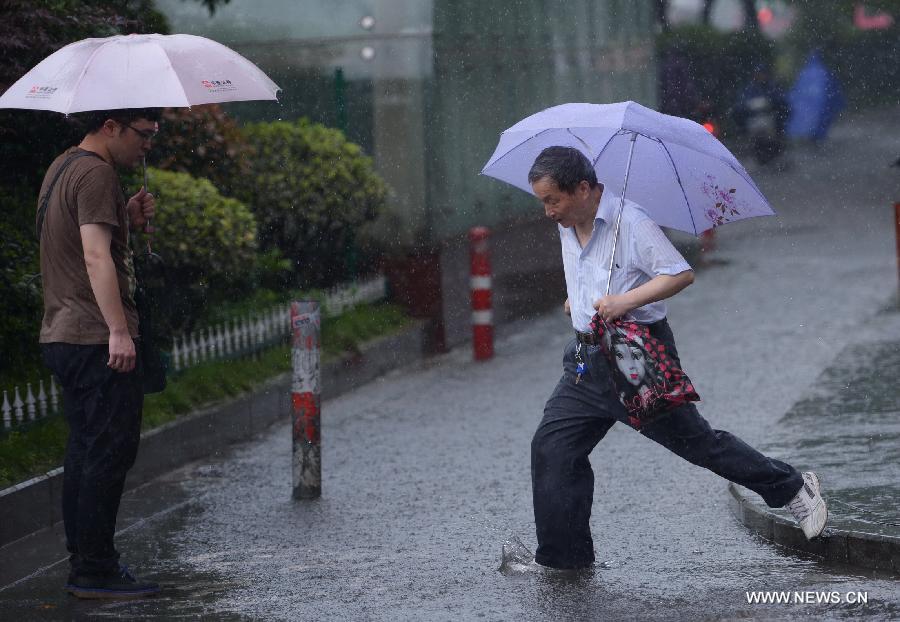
(139, 71)
(679, 172)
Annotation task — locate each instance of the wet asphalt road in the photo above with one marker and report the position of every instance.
(426, 471)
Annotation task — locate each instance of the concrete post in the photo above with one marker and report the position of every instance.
(305, 398)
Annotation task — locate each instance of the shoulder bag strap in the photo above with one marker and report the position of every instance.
(45, 200)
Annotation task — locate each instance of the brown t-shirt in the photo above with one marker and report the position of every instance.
(88, 192)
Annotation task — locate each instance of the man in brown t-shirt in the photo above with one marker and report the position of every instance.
(89, 335)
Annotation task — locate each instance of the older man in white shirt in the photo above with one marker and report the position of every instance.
(583, 407)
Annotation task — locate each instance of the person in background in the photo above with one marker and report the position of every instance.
(762, 85)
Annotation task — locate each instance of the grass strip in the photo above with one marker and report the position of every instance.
(40, 446)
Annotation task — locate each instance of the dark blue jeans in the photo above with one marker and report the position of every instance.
(577, 417)
(103, 409)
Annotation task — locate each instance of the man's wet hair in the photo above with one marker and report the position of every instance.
(90, 122)
(566, 166)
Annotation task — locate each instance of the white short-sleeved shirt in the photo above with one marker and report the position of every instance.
(643, 252)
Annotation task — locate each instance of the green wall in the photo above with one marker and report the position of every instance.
(497, 62)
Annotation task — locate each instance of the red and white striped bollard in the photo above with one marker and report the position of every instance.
(480, 283)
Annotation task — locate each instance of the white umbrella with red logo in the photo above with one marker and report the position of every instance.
(139, 71)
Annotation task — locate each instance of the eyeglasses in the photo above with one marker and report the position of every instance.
(144, 134)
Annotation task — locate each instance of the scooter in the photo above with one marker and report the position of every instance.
(765, 132)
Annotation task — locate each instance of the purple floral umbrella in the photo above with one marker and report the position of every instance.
(673, 167)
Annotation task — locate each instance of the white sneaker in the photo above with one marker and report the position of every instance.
(808, 507)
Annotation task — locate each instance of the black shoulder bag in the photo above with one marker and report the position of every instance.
(154, 363)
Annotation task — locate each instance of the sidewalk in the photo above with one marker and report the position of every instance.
(29, 508)
(847, 428)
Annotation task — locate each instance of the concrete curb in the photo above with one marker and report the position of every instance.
(864, 550)
(36, 504)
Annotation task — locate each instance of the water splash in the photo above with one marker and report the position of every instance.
(516, 558)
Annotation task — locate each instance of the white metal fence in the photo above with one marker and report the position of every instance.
(32, 407)
(238, 338)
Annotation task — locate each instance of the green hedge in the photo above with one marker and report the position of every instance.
(720, 64)
(311, 190)
(204, 142)
(207, 243)
(867, 65)
(21, 306)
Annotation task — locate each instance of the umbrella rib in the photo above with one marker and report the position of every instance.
(752, 183)
(581, 140)
(543, 131)
(177, 77)
(547, 129)
(87, 64)
(680, 185)
(600, 153)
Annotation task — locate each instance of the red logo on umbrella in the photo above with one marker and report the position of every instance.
(218, 84)
(41, 92)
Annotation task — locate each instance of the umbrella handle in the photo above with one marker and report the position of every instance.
(621, 209)
(148, 229)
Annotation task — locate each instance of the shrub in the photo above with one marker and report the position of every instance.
(865, 63)
(204, 142)
(207, 243)
(311, 190)
(20, 303)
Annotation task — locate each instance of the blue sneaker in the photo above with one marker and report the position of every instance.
(121, 584)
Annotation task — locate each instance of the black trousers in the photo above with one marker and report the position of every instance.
(577, 417)
(103, 409)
